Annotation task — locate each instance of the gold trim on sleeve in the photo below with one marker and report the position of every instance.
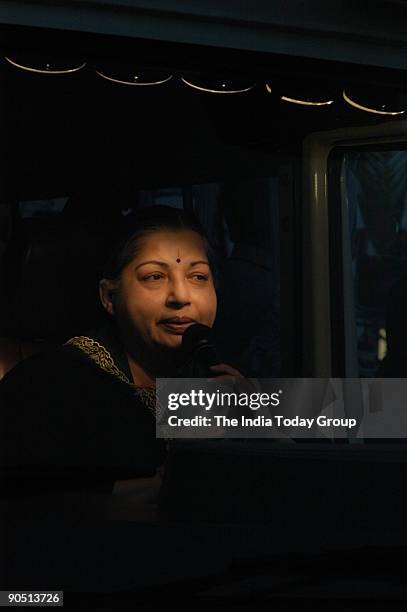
(101, 356)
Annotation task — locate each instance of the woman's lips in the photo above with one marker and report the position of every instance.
(177, 325)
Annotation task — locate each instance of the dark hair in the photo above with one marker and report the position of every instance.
(125, 242)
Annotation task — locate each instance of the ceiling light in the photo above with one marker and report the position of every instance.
(303, 94)
(138, 78)
(371, 106)
(45, 67)
(306, 102)
(219, 86)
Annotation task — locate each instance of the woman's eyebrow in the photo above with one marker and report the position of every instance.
(162, 263)
(152, 261)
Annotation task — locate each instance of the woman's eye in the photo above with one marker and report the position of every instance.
(200, 277)
(153, 277)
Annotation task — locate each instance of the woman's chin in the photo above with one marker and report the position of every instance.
(174, 343)
(170, 343)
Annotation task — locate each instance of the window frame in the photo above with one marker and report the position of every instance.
(317, 267)
(340, 365)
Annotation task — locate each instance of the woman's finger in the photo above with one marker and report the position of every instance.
(226, 378)
(224, 368)
(233, 377)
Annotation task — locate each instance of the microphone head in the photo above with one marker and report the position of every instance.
(196, 337)
(198, 351)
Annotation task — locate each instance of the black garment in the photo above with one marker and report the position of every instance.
(64, 416)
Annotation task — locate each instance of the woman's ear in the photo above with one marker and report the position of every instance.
(107, 289)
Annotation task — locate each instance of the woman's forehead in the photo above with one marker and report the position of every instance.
(171, 243)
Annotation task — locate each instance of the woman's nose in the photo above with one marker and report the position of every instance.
(178, 294)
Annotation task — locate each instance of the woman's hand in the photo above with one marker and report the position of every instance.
(233, 377)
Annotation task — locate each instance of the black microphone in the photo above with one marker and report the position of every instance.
(198, 352)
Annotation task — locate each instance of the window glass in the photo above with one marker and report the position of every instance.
(168, 196)
(375, 260)
(242, 221)
(42, 208)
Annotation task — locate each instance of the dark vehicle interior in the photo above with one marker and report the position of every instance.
(95, 126)
(80, 151)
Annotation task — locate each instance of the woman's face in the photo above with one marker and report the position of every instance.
(166, 288)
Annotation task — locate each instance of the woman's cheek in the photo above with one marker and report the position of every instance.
(214, 306)
(209, 314)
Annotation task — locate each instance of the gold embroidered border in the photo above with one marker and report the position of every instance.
(101, 356)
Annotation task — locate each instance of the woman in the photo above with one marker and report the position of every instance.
(85, 412)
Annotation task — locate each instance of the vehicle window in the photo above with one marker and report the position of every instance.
(170, 197)
(241, 219)
(374, 259)
(42, 208)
